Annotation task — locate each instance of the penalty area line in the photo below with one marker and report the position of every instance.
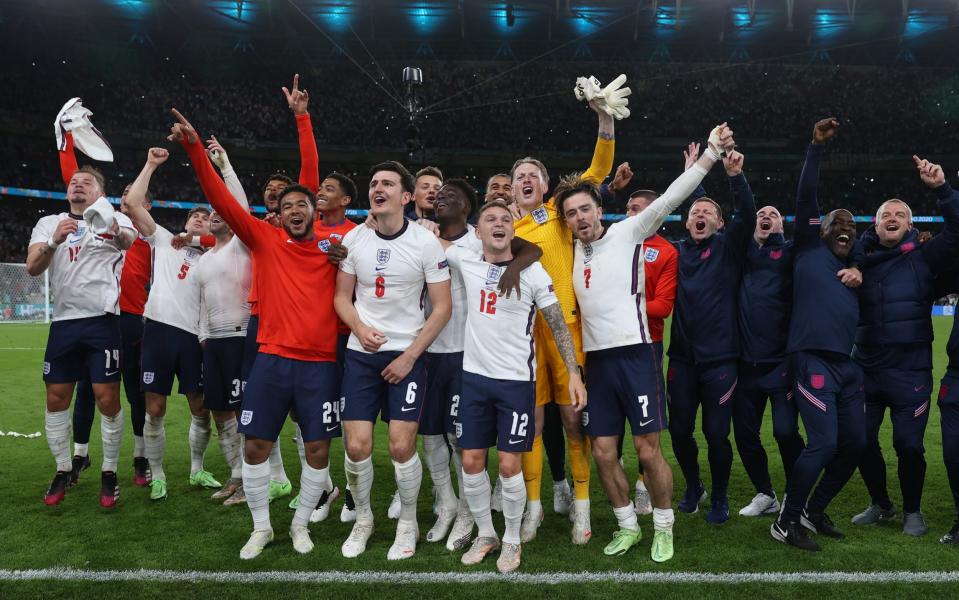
(542, 578)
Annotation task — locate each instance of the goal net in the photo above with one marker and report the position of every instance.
(23, 298)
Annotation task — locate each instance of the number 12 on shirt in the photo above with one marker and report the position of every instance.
(488, 302)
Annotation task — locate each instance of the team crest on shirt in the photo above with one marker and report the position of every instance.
(246, 417)
(493, 275)
(587, 252)
(324, 245)
(46, 368)
(148, 377)
(382, 255)
(540, 215)
(651, 255)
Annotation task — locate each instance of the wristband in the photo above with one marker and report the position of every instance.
(51, 244)
(713, 154)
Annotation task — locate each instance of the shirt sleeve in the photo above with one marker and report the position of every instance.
(309, 157)
(204, 316)
(160, 236)
(68, 160)
(664, 294)
(454, 254)
(351, 241)
(42, 231)
(434, 261)
(602, 162)
(542, 286)
(647, 222)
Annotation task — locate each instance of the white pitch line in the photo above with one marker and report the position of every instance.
(15, 348)
(544, 578)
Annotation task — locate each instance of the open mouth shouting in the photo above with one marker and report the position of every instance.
(766, 224)
(700, 225)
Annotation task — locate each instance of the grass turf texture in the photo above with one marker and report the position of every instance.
(190, 532)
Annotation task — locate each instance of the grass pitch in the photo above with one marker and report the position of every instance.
(190, 532)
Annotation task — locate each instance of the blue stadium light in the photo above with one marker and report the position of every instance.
(919, 22)
(740, 16)
(666, 21)
(337, 16)
(132, 8)
(829, 23)
(237, 13)
(586, 19)
(425, 18)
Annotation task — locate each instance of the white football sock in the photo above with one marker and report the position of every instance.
(626, 517)
(360, 478)
(277, 472)
(57, 425)
(81, 449)
(154, 435)
(139, 446)
(111, 433)
(409, 476)
(313, 482)
(199, 440)
(663, 519)
(300, 447)
(229, 440)
(514, 501)
(477, 490)
(437, 455)
(256, 484)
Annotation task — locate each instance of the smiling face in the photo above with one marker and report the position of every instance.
(451, 205)
(529, 186)
(583, 217)
(425, 191)
(331, 196)
(768, 220)
(386, 194)
(499, 187)
(704, 220)
(495, 229)
(83, 190)
(198, 223)
(839, 232)
(296, 214)
(893, 221)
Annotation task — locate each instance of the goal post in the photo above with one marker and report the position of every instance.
(23, 299)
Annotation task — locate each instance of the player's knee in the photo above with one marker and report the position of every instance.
(715, 432)
(402, 449)
(510, 467)
(317, 453)
(257, 451)
(358, 449)
(604, 451)
(648, 450)
(909, 448)
(473, 462)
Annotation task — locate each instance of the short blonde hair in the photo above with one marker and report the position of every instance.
(529, 160)
(897, 201)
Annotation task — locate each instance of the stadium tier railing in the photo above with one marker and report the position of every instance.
(23, 298)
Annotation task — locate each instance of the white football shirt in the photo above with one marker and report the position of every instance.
(609, 276)
(174, 294)
(85, 270)
(224, 276)
(452, 337)
(391, 277)
(499, 330)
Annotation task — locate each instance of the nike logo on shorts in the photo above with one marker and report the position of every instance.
(111, 373)
(519, 441)
(645, 423)
(331, 428)
(407, 408)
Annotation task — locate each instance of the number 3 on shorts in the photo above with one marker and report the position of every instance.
(411, 393)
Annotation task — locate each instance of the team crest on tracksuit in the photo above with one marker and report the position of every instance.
(383, 256)
(651, 255)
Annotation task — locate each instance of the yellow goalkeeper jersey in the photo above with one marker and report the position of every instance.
(546, 228)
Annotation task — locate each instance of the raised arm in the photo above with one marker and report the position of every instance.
(605, 149)
(238, 218)
(68, 160)
(941, 251)
(219, 157)
(133, 203)
(647, 222)
(807, 201)
(743, 220)
(298, 100)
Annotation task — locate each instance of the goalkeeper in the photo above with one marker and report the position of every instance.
(538, 222)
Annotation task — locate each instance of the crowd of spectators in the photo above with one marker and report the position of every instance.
(887, 114)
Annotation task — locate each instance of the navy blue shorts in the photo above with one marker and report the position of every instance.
(222, 361)
(624, 384)
(250, 350)
(365, 394)
(170, 352)
(444, 382)
(278, 385)
(83, 349)
(495, 412)
(341, 341)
